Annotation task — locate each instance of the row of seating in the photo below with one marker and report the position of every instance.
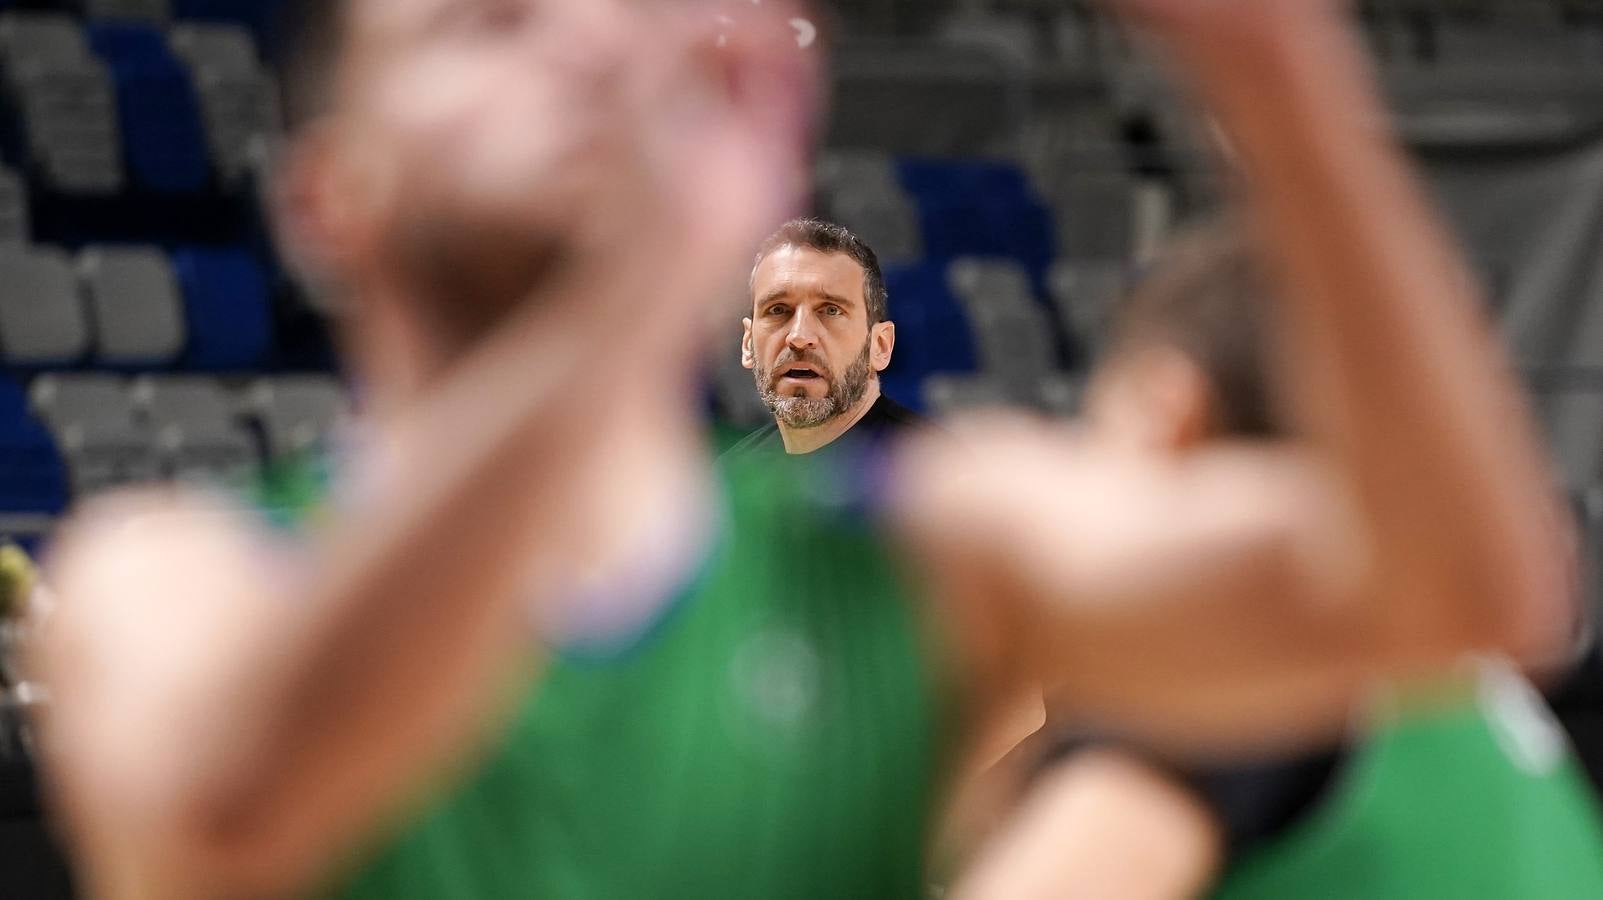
(118, 103)
(73, 435)
(134, 307)
(917, 208)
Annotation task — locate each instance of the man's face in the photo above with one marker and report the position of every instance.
(809, 343)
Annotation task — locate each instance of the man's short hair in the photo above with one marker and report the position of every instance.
(828, 237)
(310, 37)
(1208, 297)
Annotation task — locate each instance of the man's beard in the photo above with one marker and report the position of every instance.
(811, 412)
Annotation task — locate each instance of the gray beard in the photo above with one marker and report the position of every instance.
(811, 412)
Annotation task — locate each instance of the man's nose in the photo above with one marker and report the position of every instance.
(803, 335)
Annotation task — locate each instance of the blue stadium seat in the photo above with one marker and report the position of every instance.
(981, 209)
(932, 334)
(32, 477)
(227, 308)
(163, 133)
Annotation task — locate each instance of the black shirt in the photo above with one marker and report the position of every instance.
(885, 421)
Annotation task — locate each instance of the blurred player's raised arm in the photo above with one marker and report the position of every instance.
(1409, 524)
(231, 712)
(1394, 372)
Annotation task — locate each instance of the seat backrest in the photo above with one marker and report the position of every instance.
(221, 48)
(226, 307)
(63, 399)
(42, 318)
(14, 220)
(196, 403)
(133, 296)
(158, 11)
(40, 39)
(988, 285)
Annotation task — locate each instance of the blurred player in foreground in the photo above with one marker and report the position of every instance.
(1462, 786)
(536, 649)
(1460, 783)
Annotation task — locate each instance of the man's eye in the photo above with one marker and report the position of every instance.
(779, 310)
(833, 310)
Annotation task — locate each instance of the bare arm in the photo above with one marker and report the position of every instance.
(1254, 591)
(1395, 373)
(1103, 826)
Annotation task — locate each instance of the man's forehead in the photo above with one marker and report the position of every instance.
(808, 269)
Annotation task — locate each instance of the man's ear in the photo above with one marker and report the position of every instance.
(882, 343)
(748, 357)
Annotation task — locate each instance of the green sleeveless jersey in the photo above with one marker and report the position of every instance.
(773, 735)
(1472, 800)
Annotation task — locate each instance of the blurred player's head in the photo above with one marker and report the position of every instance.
(453, 154)
(819, 332)
(1189, 359)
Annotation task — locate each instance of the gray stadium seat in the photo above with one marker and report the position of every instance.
(15, 227)
(1095, 216)
(220, 48)
(134, 299)
(983, 285)
(1085, 294)
(106, 454)
(239, 97)
(31, 39)
(69, 115)
(92, 417)
(207, 453)
(143, 10)
(888, 224)
(298, 412)
(197, 430)
(42, 319)
(1015, 345)
(947, 394)
(63, 400)
(1011, 38)
(181, 400)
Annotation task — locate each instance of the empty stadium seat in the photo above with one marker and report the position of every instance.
(133, 298)
(239, 98)
(298, 412)
(14, 221)
(946, 394)
(197, 430)
(157, 11)
(227, 312)
(66, 103)
(42, 318)
(63, 399)
(32, 39)
(163, 134)
(93, 419)
(982, 284)
(1085, 294)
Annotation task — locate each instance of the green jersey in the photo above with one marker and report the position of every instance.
(773, 735)
(1465, 800)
